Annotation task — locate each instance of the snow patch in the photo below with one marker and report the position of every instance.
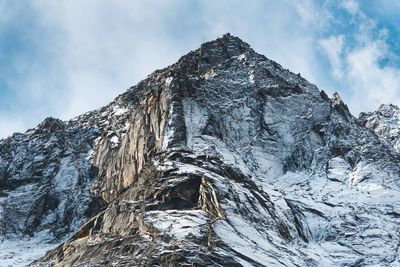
(118, 110)
(242, 57)
(338, 169)
(15, 253)
(114, 141)
(168, 81)
(209, 74)
(179, 224)
(168, 130)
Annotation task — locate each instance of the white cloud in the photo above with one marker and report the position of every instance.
(333, 47)
(351, 6)
(358, 65)
(371, 83)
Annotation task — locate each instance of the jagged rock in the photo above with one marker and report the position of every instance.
(222, 159)
(385, 122)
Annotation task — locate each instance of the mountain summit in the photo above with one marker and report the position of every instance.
(221, 159)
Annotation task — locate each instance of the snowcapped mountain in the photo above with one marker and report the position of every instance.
(222, 159)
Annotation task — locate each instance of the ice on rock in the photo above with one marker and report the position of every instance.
(114, 141)
(338, 170)
(16, 253)
(179, 224)
(168, 81)
(118, 110)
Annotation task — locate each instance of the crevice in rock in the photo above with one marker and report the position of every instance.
(208, 200)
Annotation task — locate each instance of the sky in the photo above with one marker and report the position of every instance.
(63, 58)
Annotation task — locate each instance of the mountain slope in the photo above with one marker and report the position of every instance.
(385, 122)
(222, 159)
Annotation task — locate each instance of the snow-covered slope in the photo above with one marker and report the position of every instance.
(222, 159)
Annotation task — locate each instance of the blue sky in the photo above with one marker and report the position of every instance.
(62, 58)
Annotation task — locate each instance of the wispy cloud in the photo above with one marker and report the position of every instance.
(333, 47)
(371, 83)
(360, 62)
(351, 6)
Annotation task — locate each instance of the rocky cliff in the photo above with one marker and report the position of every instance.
(222, 159)
(385, 122)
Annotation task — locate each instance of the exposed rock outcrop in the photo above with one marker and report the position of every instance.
(385, 122)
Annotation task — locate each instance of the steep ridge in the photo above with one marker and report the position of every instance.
(222, 159)
(385, 122)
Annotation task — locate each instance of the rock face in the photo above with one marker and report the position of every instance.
(385, 122)
(222, 159)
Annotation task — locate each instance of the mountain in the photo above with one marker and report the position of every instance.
(223, 159)
(385, 122)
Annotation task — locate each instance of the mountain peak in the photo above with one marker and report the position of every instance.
(229, 41)
(385, 122)
(213, 53)
(388, 110)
